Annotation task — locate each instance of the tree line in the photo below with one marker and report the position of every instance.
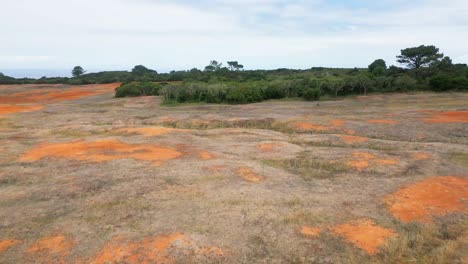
(423, 68)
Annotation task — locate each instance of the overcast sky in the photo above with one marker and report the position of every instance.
(182, 34)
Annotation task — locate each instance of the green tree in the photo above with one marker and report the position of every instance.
(77, 71)
(142, 70)
(234, 65)
(422, 56)
(213, 66)
(378, 67)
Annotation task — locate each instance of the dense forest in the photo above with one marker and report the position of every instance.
(423, 68)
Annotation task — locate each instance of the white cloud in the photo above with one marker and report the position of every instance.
(167, 35)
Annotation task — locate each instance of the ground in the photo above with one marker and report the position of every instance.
(88, 178)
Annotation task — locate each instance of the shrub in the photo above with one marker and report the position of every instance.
(311, 94)
(244, 94)
(137, 89)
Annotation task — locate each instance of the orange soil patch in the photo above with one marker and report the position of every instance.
(358, 164)
(353, 139)
(448, 117)
(310, 231)
(364, 234)
(102, 150)
(387, 161)
(10, 109)
(267, 146)
(5, 244)
(382, 121)
(150, 250)
(248, 175)
(205, 155)
(421, 156)
(337, 122)
(52, 249)
(435, 196)
(363, 155)
(216, 168)
(309, 127)
(149, 131)
(52, 95)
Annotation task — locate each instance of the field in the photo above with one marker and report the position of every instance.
(89, 178)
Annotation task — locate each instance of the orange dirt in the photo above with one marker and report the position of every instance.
(52, 95)
(248, 175)
(421, 156)
(5, 244)
(387, 161)
(267, 146)
(363, 155)
(309, 127)
(364, 234)
(353, 139)
(358, 164)
(150, 250)
(205, 155)
(52, 249)
(448, 117)
(435, 196)
(382, 121)
(149, 131)
(216, 168)
(310, 231)
(10, 109)
(102, 150)
(337, 122)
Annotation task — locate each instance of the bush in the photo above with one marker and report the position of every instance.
(244, 94)
(137, 89)
(445, 83)
(311, 94)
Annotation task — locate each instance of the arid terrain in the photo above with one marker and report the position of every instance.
(88, 178)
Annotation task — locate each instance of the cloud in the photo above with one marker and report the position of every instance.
(181, 34)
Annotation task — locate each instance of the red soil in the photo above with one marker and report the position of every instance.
(364, 234)
(421, 156)
(309, 127)
(5, 244)
(102, 150)
(387, 161)
(10, 109)
(267, 146)
(248, 175)
(362, 160)
(205, 155)
(448, 117)
(52, 249)
(310, 231)
(353, 139)
(150, 250)
(435, 196)
(52, 95)
(382, 121)
(337, 122)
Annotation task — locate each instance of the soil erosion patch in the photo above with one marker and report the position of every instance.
(5, 244)
(248, 175)
(435, 196)
(382, 121)
(448, 117)
(149, 131)
(10, 109)
(102, 150)
(52, 249)
(364, 234)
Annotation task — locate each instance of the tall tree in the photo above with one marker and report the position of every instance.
(422, 56)
(378, 67)
(234, 65)
(213, 66)
(78, 71)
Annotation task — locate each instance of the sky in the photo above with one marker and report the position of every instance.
(49, 37)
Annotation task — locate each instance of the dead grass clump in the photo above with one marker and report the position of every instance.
(309, 168)
(459, 158)
(423, 200)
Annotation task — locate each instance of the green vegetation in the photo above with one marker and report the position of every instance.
(425, 69)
